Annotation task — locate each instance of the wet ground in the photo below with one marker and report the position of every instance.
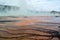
(28, 28)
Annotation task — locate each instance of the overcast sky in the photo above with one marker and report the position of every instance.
(43, 5)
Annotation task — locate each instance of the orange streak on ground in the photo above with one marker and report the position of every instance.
(26, 22)
(29, 22)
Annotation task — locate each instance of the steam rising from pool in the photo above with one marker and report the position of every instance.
(6, 10)
(13, 8)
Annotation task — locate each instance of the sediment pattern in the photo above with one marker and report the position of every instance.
(10, 31)
(27, 33)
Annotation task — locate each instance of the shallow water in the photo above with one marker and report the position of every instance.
(54, 19)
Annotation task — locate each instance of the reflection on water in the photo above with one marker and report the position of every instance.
(54, 19)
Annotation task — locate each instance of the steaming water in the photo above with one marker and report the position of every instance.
(21, 13)
(17, 11)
